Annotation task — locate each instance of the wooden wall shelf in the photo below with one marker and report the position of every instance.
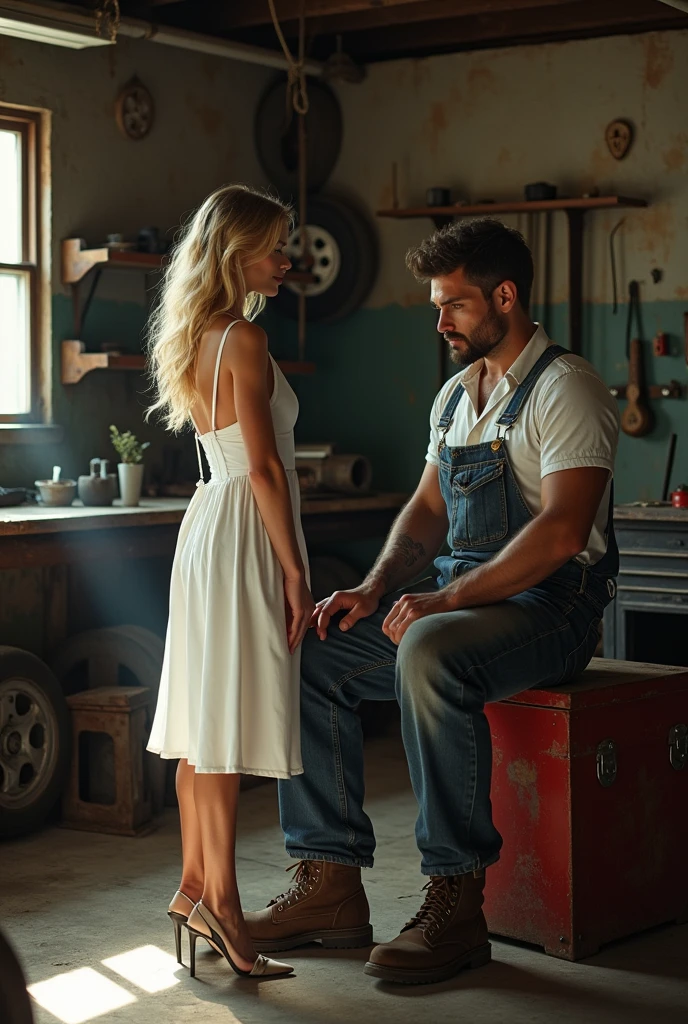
(575, 209)
(76, 363)
(77, 262)
(516, 206)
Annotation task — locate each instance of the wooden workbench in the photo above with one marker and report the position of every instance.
(53, 539)
(324, 518)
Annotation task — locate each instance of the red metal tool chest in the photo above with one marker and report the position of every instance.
(590, 792)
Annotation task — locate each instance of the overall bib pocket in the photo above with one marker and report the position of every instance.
(479, 514)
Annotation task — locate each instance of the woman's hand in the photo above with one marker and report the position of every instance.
(299, 607)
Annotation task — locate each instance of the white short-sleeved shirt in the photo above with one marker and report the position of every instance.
(569, 420)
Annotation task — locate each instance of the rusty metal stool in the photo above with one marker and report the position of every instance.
(108, 789)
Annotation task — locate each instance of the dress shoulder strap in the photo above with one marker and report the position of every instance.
(228, 328)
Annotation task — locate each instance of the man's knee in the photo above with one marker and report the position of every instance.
(433, 665)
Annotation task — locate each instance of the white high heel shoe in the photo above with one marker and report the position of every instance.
(202, 923)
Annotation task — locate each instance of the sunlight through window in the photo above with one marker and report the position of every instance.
(147, 967)
(80, 995)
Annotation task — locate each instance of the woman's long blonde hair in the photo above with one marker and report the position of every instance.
(235, 227)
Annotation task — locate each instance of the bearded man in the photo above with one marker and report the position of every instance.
(518, 479)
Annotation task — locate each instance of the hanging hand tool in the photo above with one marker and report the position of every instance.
(637, 419)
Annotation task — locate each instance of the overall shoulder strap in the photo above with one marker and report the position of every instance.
(451, 407)
(522, 392)
(217, 372)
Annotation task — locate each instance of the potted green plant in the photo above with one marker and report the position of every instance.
(130, 468)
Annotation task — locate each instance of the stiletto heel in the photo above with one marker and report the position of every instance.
(192, 953)
(178, 913)
(177, 922)
(202, 923)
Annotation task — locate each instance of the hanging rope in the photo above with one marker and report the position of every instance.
(107, 19)
(297, 102)
(295, 65)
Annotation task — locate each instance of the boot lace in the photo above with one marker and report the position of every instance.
(442, 897)
(305, 874)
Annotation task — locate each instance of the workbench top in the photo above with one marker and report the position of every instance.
(23, 520)
(651, 514)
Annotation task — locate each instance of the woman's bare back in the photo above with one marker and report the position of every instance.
(205, 375)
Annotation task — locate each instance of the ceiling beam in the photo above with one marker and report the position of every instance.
(246, 13)
(428, 10)
(571, 20)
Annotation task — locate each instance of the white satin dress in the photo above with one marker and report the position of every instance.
(229, 692)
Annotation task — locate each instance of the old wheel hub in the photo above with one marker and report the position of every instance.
(27, 742)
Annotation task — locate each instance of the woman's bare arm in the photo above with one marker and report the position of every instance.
(246, 358)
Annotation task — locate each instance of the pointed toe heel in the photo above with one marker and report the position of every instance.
(203, 924)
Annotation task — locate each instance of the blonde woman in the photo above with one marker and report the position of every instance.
(239, 599)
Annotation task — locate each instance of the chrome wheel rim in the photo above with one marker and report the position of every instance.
(326, 258)
(28, 743)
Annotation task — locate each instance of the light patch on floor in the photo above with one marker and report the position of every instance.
(87, 914)
(80, 995)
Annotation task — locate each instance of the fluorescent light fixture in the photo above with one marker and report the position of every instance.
(40, 28)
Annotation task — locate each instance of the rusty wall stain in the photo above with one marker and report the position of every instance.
(208, 117)
(481, 78)
(504, 156)
(659, 60)
(674, 158)
(655, 231)
(523, 776)
(681, 292)
(435, 126)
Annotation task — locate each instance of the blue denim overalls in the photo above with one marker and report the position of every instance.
(444, 671)
(484, 503)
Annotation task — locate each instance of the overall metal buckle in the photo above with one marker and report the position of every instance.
(498, 441)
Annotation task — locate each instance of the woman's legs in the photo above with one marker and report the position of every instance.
(216, 798)
(192, 850)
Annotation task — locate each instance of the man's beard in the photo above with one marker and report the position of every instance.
(483, 339)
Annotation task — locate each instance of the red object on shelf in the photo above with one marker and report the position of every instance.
(660, 344)
(589, 791)
(679, 497)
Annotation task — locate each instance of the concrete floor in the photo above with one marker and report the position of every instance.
(72, 900)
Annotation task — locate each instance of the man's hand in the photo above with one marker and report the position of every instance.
(360, 603)
(411, 607)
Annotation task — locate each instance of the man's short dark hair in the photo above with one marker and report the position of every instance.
(486, 250)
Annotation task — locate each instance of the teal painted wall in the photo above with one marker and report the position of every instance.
(377, 375)
(86, 410)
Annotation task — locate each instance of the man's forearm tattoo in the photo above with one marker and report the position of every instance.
(411, 551)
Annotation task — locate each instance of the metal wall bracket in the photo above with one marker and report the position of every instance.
(606, 762)
(674, 389)
(678, 746)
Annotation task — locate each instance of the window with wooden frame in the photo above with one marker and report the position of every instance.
(20, 255)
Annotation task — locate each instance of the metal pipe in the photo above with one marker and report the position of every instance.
(137, 29)
(134, 28)
(680, 5)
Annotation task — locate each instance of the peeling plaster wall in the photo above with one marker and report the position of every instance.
(102, 183)
(485, 124)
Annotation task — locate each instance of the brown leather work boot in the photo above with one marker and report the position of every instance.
(447, 934)
(326, 901)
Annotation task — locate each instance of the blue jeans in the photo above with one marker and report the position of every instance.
(444, 671)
